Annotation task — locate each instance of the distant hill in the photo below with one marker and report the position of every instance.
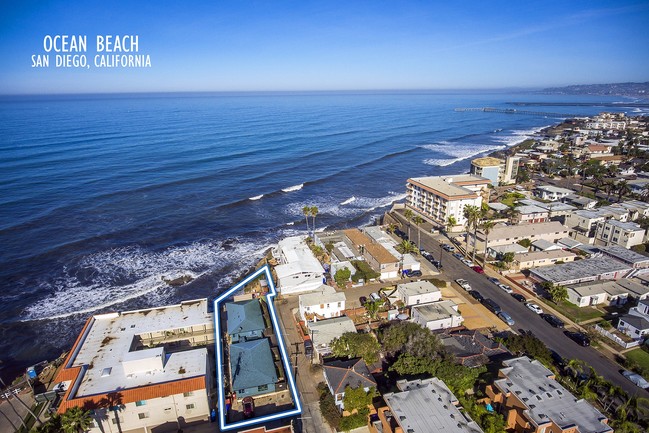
(635, 90)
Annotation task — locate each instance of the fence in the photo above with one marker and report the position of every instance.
(615, 338)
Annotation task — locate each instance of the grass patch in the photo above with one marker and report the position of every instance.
(639, 357)
(575, 313)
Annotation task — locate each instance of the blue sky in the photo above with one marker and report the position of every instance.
(332, 45)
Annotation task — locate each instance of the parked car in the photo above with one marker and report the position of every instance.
(506, 318)
(519, 297)
(413, 273)
(491, 305)
(553, 320)
(494, 280)
(558, 360)
(476, 295)
(374, 296)
(449, 248)
(362, 300)
(463, 283)
(423, 252)
(506, 288)
(401, 234)
(248, 407)
(478, 269)
(636, 378)
(534, 307)
(578, 337)
(457, 256)
(467, 262)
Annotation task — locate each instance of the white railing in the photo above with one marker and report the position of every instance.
(615, 338)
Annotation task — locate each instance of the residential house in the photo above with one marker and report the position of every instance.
(440, 197)
(324, 303)
(374, 253)
(408, 261)
(336, 266)
(583, 223)
(580, 201)
(245, 320)
(471, 348)
(626, 256)
(531, 400)
(437, 315)
(636, 323)
(122, 356)
(423, 405)
(603, 292)
(253, 368)
(499, 251)
(551, 193)
(624, 234)
(323, 332)
(543, 245)
(340, 374)
(417, 292)
(298, 269)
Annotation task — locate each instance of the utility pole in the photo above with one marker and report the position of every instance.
(297, 352)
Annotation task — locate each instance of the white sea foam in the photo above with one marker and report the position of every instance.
(257, 197)
(114, 276)
(457, 153)
(293, 188)
(518, 136)
(349, 200)
(290, 224)
(328, 206)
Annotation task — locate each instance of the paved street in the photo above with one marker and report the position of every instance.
(524, 318)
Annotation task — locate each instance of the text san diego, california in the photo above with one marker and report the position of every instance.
(111, 51)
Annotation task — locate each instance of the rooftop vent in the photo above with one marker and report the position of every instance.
(402, 418)
(538, 397)
(106, 371)
(532, 406)
(559, 392)
(548, 394)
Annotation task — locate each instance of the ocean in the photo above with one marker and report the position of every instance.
(103, 196)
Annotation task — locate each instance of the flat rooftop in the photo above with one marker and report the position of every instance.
(624, 255)
(546, 400)
(580, 269)
(428, 405)
(450, 186)
(525, 230)
(437, 310)
(487, 161)
(110, 339)
(417, 288)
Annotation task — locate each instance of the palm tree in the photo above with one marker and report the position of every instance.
(391, 228)
(408, 214)
(418, 220)
(314, 213)
(451, 222)
(623, 189)
(405, 247)
(76, 420)
(472, 214)
(634, 408)
(113, 401)
(486, 227)
(306, 210)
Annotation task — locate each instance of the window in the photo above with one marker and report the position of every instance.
(188, 394)
(140, 403)
(143, 415)
(339, 304)
(241, 391)
(262, 388)
(190, 406)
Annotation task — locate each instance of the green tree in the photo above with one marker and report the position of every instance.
(328, 407)
(407, 365)
(405, 247)
(372, 308)
(76, 420)
(314, 213)
(357, 398)
(472, 214)
(342, 276)
(486, 227)
(451, 222)
(412, 338)
(354, 345)
(558, 293)
(529, 345)
(508, 258)
(623, 189)
(306, 210)
(408, 215)
(52, 425)
(525, 243)
(418, 221)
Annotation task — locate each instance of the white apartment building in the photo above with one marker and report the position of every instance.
(613, 232)
(498, 171)
(441, 197)
(132, 360)
(417, 292)
(551, 193)
(502, 234)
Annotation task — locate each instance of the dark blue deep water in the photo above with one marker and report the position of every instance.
(102, 196)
